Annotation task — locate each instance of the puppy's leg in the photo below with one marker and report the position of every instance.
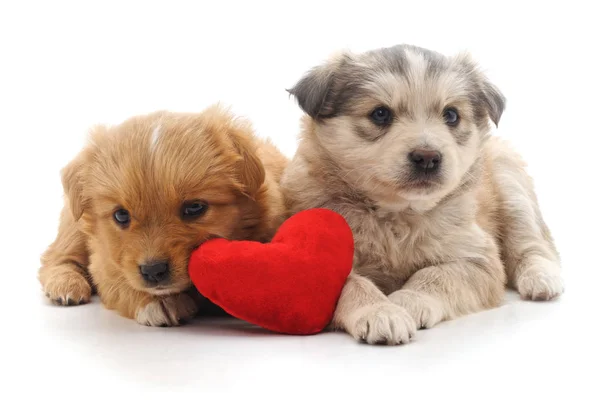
(528, 249)
(365, 313)
(446, 291)
(63, 274)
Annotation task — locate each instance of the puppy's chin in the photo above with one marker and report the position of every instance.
(167, 290)
(420, 187)
(159, 290)
(419, 193)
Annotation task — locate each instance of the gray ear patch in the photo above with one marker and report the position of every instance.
(494, 101)
(312, 90)
(315, 91)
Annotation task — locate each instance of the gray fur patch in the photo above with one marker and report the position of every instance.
(493, 100)
(315, 91)
(369, 134)
(390, 59)
(461, 136)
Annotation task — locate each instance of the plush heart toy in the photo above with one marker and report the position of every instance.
(290, 285)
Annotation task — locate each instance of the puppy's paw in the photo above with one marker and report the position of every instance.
(423, 308)
(68, 288)
(540, 281)
(383, 323)
(167, 311)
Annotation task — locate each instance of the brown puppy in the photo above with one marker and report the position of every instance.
(398, 141)
(143, 194)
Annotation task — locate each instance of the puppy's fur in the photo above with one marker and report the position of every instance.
(429, 246)
(152, 166)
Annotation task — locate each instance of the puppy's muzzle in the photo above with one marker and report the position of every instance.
(155, 272)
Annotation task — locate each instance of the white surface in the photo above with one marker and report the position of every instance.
(540, 348)
(65, 67)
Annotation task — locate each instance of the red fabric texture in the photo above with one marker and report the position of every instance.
(290, 285)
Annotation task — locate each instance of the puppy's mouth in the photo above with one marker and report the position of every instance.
(167, 289)
(163, 291)
(421, 181)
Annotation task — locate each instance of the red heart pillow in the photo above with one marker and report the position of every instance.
(290, 285)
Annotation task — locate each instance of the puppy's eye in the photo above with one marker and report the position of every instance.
(381, 116)
(451, 116)
(193, 209)
(122, 217)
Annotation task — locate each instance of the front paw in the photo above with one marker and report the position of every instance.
(383, 323)
(167, 311)
(425, 310)
(541, 281)
(68, 288)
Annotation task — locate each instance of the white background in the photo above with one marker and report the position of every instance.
(66, 66)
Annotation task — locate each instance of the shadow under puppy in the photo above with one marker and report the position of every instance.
(142, 195)
(444, 215)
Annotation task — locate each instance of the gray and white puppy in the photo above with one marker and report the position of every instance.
(444, 215)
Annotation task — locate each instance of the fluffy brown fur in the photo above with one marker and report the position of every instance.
(154, 166)
(434, 244)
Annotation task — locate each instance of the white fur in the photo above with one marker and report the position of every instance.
(155, 136)
(167, 311)
(152, 314)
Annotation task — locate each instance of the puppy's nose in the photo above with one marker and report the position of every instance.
(155, 271)
(426, 160)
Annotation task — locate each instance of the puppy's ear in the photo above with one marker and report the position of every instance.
(237, 134)
(73, 174)
(489, 96)
(72, 181)
(250, 169)
(494, 101)
(315, 91)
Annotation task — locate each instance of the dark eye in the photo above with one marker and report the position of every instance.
(451, 116)
(122, 217)
(193, 209)
(381, 116)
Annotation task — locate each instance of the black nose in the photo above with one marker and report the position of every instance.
(155, 271)
(426, 160)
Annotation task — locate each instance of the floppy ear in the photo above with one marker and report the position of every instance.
(494, 101)
(72, 181)
(250, 169)
(237, 133)
(73, 174)
(489, 95)
(315, 90)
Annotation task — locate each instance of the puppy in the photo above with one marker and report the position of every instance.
(143, 194)
(398, 141)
